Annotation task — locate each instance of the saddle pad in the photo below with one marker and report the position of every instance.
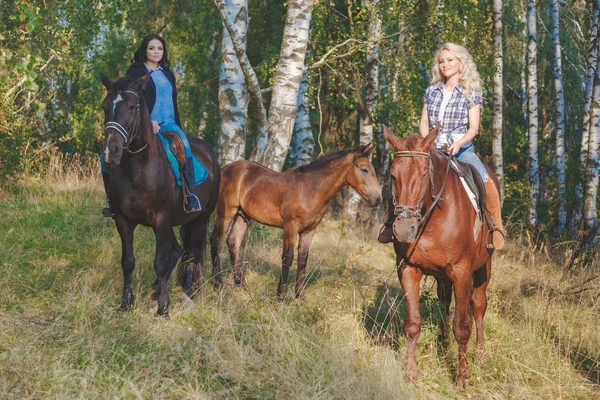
(200, 171)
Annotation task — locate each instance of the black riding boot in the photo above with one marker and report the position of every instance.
(191, 203)
(107, 211)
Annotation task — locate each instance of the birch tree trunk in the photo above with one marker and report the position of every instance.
(532, 109)
(284, 99)
(233, 96)
(250, 76)
(560, 117)
(372, 92)
(590, 216)
(304, 144)
(497, 156)
(592, 62)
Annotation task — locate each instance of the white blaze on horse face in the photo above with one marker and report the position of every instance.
(116, 101)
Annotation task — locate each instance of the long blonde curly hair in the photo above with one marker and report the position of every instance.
(467, 72)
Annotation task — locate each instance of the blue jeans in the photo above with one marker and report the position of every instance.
(468, 156)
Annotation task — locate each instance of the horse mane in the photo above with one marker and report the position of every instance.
(322, 161)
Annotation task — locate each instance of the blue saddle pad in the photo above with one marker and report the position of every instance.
(200, 171)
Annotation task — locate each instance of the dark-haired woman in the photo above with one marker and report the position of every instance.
(160, 95)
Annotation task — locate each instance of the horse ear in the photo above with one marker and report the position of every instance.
(140, 83)
(367, 149)
(390, 137)
(106, 81)
(433, 134)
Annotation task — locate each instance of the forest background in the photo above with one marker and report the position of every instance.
(51, 54)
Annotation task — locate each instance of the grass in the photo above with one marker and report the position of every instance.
(63, 338)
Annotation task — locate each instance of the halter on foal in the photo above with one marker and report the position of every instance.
(441, 243)
(295, 200)
(142, 190)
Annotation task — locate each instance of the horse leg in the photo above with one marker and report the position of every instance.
(410, 278)
(303, 247)
(444, 293)
(481, 279)
(462, 282)
(234, 241)
(287, 257)
(173, 258)
(164, 249)
(194, 242)
(126, 230)
(224, 219)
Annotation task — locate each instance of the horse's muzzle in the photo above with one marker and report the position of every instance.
(405, 229)
(374, 198)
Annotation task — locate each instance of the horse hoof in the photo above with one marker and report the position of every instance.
(187, 300)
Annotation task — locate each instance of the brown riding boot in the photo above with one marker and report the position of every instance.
(493, 206)
(386, 234)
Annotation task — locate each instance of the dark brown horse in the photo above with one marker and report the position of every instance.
(295, 200)
(434, 235)
(142, 190)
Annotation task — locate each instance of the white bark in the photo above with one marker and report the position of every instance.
(249, 75)
(290, 67)
(592, 62)
(590, 216)
(371, 94)
(560, 117)
(233, 96)
(497, 156)
(305, 142)
(532, 109)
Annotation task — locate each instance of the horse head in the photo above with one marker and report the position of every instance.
(122, 116)
(410, 181)
(362, 177)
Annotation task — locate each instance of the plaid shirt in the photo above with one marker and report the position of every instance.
(456, 115)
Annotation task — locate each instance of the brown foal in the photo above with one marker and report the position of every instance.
(437, 237)
(295, 200)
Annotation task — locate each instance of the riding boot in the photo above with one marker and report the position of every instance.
(107, 211)
(386, 233)
(191, 202)
(494, 208)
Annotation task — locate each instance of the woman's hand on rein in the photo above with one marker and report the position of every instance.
(454, 148)
(155, 127)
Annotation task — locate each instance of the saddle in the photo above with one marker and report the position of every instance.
(176, 157)
(175, 146)
(474, 186)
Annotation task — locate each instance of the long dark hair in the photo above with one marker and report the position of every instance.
(139, 58)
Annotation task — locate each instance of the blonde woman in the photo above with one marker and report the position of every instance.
(454, 100)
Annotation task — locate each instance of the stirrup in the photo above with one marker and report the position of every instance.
(386, 234)
(192, 204)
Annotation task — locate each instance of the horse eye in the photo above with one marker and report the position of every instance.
(365, 170)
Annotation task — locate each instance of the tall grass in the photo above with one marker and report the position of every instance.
(63, 338)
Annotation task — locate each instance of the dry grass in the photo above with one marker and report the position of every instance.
(64, 339)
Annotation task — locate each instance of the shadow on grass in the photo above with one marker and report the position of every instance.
(384, 318)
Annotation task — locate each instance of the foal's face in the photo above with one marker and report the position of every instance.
(363, 179)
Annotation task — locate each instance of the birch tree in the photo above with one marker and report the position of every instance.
(497, 156)
(367, 108)
(282, 111)
(592, 61)
(590, 216)
(532, 110)
(305, 142)
(560, 117)
(233, 96)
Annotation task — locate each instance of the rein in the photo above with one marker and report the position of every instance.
(129, 137)
(409, 212)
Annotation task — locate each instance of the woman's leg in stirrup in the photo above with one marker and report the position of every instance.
(493, 206)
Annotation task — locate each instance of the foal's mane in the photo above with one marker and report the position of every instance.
(323, 161)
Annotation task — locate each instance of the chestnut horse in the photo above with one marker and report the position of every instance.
(434, 235)
(142, 190)
(295, 200)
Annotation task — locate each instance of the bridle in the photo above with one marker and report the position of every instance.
(406, 212)
(128, 136)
